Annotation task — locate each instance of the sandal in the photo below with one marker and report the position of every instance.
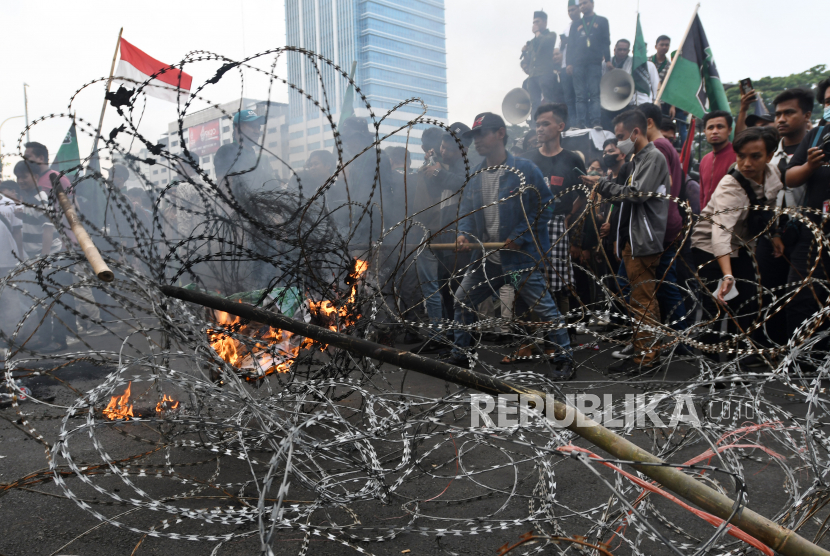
(518, 356)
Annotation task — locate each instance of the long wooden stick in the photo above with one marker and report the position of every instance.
(676, 57)
(452, 246)
(775, 536)
(102, 271)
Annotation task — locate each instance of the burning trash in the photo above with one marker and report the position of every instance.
(272, 350)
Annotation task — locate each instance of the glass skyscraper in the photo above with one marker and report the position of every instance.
(400, 50)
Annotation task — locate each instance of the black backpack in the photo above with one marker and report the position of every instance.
(758, 220)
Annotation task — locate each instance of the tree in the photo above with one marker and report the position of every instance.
(769, 87)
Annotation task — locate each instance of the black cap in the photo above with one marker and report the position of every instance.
(540, 14)
(753, 119)
(459, 129)
(355, 126)
(487, 120)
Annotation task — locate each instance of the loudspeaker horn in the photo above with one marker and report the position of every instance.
(616, 90)
(516, 106)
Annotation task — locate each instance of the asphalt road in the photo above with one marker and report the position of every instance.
(458, 483)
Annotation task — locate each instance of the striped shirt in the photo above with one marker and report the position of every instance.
(34, 222)
(490, 196)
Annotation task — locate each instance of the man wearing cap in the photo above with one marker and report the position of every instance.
(496, 208)
(436, 205)
(538, 54)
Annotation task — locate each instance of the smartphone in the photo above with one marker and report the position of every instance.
(746, 85)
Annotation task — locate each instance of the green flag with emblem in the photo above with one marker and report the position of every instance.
(68, 155)
(694, 84)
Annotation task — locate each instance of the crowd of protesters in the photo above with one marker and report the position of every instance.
(678, 248)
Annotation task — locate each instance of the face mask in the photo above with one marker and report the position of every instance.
(626, 146)
(827, 113)
(609, 160)
(594, 173)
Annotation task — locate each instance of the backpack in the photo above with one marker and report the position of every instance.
(757, 220)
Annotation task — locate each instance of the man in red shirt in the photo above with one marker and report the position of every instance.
(717, 126)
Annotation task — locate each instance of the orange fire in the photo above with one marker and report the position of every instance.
(327, 312)
(166, 404)
(120, 406)
(274, 352)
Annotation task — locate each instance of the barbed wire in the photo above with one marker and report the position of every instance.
(227, 431)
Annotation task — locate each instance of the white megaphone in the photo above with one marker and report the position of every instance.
(616, 90)
(516, 106)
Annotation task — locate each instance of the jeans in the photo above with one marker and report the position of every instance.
(532, 290)
(668, 294)
(539, 87)
(430, 285)
(586, 88)
(570, 96)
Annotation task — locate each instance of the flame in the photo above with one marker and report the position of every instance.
(274, 352)
(166, 404)
(328, 313)
(120, 406)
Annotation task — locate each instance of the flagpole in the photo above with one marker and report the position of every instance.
(676, 56)
(109, 83)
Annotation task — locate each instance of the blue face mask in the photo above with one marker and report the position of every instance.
(827, 113)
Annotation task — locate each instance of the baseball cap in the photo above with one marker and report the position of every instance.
(246, 116)
(486, 120)
(753, 119)
(459, 129)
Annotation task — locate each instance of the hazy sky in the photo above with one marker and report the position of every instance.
(57, 46)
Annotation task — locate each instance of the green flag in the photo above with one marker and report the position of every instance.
(639, 62)
(68, 155)
(347, 111)
(694, 84)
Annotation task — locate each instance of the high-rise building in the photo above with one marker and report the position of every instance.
(399, 48)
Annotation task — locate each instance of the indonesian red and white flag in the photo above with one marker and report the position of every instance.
(137, 65)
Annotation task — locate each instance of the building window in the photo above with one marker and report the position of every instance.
(297, 149)
(205, 159)
(226, 129)
(314, 131)
(273, 144)
(155, 172)
(328, 143)
(272, 130)
(226, 142)
(175, 144)
(296, 134)
(315, 145)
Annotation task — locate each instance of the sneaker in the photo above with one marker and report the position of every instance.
(753, 361)
(452, 359)
(430, 346)
(562, 370)
(630, 366)
(624, 353)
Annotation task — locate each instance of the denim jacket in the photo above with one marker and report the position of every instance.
(513, 224)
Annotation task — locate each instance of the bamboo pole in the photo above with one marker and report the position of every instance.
(676, 57)
(775, 536)
(102, 271)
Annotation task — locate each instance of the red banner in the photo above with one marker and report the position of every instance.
(204, 139)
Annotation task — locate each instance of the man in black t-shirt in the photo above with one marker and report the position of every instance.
(809, 167)
(561, 169)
